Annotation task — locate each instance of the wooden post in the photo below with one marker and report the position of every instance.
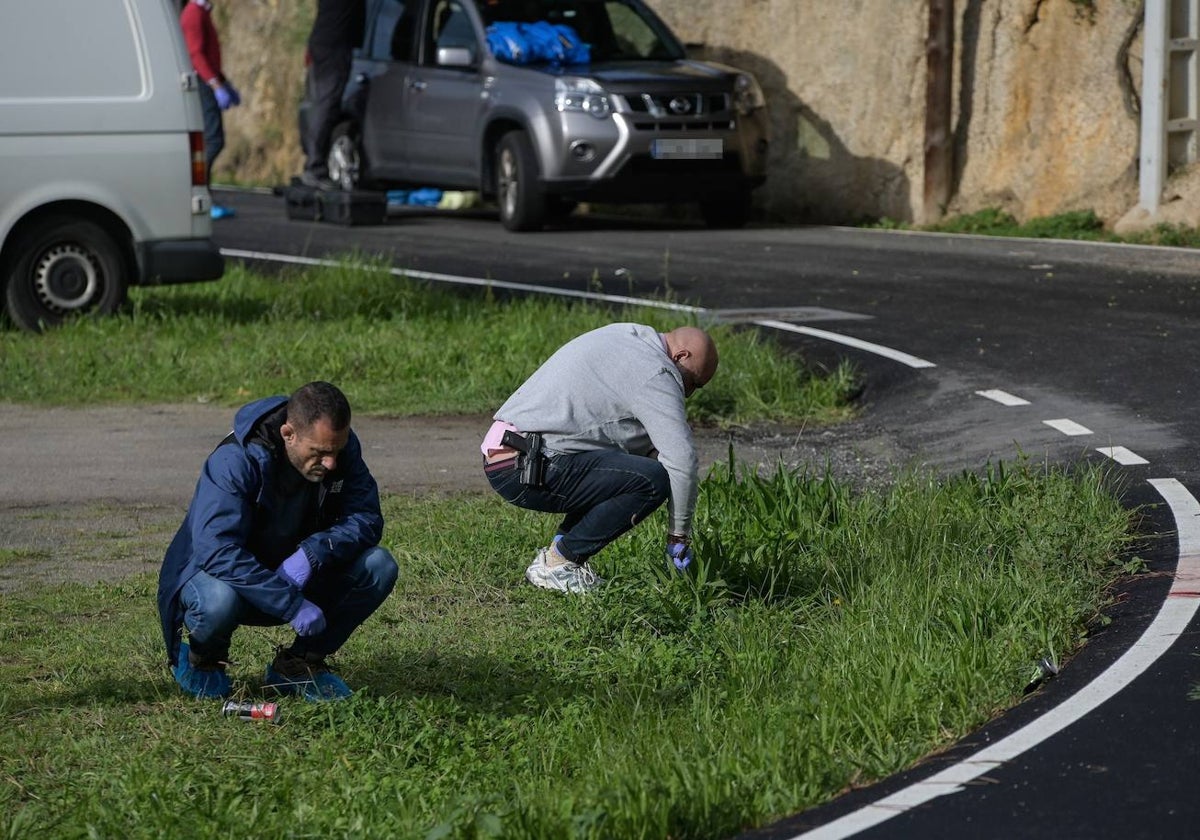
(939, 78)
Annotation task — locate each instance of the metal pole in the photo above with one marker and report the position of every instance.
(939, 77)
(1152, 163)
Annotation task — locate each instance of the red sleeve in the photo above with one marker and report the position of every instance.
(191, 20)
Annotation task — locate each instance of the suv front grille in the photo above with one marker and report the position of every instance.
(679, 111)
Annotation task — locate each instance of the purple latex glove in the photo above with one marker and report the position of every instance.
(224, 98)
(308, 620)
(235, 98)
(296, 569)
(679, 552)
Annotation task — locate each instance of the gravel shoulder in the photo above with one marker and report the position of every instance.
(95, 494)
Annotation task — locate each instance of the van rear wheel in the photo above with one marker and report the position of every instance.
(64, 267)
(522, 200)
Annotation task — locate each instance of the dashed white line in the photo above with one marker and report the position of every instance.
(1068, 427)
(1172, 620)
(1122, 455)
(1002, 397)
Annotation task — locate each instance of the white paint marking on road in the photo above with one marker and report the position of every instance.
(1068, 427)
(460, 280)
(1002, 397)
(878, 349)
(1122, 455)
(1171, 621)
(895, 355)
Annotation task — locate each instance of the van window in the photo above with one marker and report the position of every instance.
(105, 60)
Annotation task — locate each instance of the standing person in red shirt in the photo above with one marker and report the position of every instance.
(337, 30)
(217, 94)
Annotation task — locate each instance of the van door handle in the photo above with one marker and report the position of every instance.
(416, 84)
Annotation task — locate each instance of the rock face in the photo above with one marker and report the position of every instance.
(1045, 99)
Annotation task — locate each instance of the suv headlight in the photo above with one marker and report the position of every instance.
(747, 95)
(584, 95)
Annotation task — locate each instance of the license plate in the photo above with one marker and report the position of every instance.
(686, 149)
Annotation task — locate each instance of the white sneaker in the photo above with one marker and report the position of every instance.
(562, 577)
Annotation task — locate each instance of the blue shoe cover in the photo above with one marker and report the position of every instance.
(200, 683)
(219, 212)
(315, 686)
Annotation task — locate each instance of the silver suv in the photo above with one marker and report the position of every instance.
(429, 105)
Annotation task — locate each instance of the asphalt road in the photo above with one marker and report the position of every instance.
(1097, 343)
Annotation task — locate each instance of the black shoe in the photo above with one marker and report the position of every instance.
(307, 676)
(320, 182)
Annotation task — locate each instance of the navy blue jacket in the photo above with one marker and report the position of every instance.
(228, 529)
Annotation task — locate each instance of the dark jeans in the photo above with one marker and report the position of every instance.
(603, 494)
(213, 609)
(214, 128)
(327, 79)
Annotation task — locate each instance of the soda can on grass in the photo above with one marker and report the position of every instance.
(247, 710)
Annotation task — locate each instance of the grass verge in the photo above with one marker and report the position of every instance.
(827, 639)
(395, 346)
(1076, 224)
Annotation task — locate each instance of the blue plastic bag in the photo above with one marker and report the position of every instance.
(527, 43)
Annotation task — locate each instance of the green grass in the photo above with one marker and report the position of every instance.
(828, 638)
(395, 346)
(1076, 224)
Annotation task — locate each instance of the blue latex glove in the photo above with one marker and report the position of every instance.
(308, 620)
(679, 553)
(296, 569)
(235, 98)
(224, 98)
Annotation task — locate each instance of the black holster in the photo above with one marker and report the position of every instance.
(531, 462)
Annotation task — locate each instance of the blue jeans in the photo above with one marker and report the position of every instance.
(214, 127)
(603, 493)
(212, 609)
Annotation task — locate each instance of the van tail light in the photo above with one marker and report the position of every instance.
(199, 167)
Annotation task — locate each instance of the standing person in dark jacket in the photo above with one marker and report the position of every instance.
(284, 527)
(337, 30)
(217, 93)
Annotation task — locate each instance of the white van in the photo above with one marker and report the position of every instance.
(102, 174)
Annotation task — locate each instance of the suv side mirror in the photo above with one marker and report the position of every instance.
(455, 57)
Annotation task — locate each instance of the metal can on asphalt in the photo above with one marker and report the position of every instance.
(251, 711)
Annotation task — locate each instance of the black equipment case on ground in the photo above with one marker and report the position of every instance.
(359, 207)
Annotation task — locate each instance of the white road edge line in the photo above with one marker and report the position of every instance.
(1122, 455)
(1068, 427)
(878, 349)
(1172, 620)
(895, 355)
(1002, 397)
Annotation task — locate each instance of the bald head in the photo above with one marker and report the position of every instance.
(695, 354)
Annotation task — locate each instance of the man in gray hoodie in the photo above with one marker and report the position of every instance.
(607, 410)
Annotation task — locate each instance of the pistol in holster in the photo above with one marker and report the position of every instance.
(531, 462)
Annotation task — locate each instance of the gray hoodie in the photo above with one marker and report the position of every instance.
(613, 388)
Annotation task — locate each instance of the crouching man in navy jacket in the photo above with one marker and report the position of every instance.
(284, 527)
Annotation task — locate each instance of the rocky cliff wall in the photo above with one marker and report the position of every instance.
(1045, 97)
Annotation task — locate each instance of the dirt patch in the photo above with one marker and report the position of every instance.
(96, 494)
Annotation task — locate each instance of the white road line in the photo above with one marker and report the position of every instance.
(1172, 619)
(472, 281)
(1122, 455)
(1068, 427)
(878, 349)
(1002, 397)
(895, 355)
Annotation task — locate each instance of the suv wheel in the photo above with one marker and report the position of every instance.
(64, 266)
(345, 158)
(522, 202)
(726, 211)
